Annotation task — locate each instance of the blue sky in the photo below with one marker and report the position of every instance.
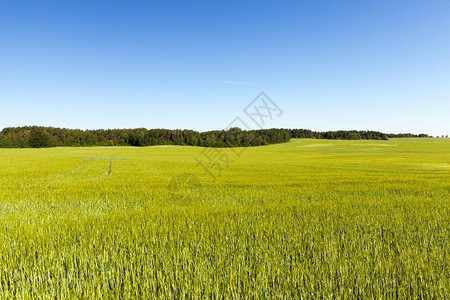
(329, 65)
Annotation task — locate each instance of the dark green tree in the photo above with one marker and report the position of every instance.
(40, 139)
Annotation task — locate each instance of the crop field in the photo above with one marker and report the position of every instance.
(305, 219)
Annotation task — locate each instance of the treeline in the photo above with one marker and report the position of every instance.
(408, 135)
(350, 135)
(38, 137)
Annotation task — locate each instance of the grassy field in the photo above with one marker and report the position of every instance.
(305, 219)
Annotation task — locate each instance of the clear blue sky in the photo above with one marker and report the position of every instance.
(329, 65)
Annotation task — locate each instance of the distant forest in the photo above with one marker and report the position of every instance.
(40, 137)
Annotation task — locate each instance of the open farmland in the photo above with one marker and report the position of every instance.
(308, 218)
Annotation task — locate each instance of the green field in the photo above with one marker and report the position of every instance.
(305, 219)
